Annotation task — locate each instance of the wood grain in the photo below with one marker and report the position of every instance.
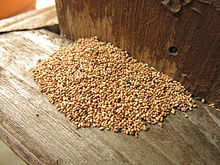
(46, 17)
(51, 139)
(146, 29)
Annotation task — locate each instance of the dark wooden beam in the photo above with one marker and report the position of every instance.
(180, 39)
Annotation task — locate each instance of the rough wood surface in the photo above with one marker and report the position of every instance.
(46, 17)
(51, 139)
(146, 29)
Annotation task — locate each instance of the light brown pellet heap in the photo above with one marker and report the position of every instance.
(98, 84)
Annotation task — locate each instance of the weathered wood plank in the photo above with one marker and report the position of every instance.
(148, 31)
(46, 17)
(51, 138)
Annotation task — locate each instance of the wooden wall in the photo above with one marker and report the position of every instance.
(183, 43)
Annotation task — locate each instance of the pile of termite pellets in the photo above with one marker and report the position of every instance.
(96, 84)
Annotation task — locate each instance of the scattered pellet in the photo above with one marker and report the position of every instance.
(97, 84)
(101, 128)
(161, 125)
(173, 111)
(36, 114)
(212, 105)
(194, 106)
(38, 61)
(186, 116)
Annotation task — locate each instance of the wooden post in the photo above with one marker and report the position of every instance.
(180, 38)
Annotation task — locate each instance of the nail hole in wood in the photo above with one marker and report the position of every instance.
(172, 50)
